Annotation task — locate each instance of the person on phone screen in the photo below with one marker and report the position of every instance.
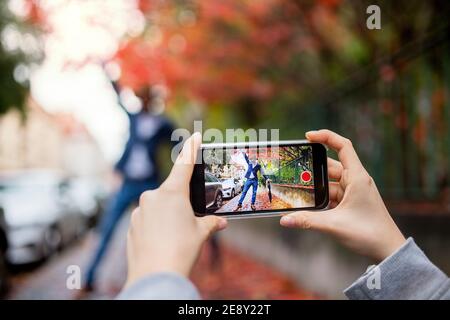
(137, 168)
(251, 181)
(160, 258)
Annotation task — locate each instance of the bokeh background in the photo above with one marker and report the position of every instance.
(292, 65)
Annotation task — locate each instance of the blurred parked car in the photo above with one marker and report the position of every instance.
(213, 191)
(39, 213)
(231, 187)
(3, 248)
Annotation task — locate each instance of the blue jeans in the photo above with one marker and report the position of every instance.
(249, 183)
(128, 193)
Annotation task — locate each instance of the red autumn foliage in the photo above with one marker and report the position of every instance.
(225, 51)
(237, 275)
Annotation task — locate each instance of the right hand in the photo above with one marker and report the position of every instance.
(358, 217)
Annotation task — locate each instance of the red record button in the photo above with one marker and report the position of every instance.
(306, 176)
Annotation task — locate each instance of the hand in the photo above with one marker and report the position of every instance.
(164, 234)
(358, 218)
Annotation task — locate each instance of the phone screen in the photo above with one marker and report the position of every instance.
(242, 180)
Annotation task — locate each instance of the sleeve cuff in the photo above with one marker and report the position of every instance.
(406, 274)
(161, 286)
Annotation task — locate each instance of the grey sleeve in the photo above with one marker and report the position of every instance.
(406, 274)
(161, 286)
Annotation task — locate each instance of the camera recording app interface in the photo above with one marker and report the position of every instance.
(258, 179)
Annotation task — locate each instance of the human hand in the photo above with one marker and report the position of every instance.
(358, 217)
(164, 234)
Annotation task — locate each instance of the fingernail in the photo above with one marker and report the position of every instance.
(310, 132)
(287, 221)
(222, 223)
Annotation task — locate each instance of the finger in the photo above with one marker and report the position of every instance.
(335, 191)
(334, 169)
(211, 224)
(333, 204)
(181, 172)
(134, 217)
(319, 221)
(343, 146)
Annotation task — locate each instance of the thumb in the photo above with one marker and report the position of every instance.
(181, 172)
(313, 220)
(211, 224)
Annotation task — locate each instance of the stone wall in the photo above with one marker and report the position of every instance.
(290, 195)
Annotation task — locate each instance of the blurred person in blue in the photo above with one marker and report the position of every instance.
(137, 166)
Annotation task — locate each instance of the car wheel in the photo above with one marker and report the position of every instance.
(219, 200)
(232, 193)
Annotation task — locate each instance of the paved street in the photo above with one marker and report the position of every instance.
(232, 276)
(240, 276)
(49, 280)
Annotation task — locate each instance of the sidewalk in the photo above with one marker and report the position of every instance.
(242, 277)
(262, 202)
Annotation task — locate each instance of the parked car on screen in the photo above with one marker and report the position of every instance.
(40, 215)
(231, 187)
(213, 192)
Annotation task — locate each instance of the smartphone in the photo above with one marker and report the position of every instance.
(257, 179)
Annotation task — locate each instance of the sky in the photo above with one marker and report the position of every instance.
(83, 30)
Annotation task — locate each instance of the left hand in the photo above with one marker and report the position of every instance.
(164, 234)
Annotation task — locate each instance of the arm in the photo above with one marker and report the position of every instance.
(246, 157)
(161, 286)
(406, 274)
(116, 88)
